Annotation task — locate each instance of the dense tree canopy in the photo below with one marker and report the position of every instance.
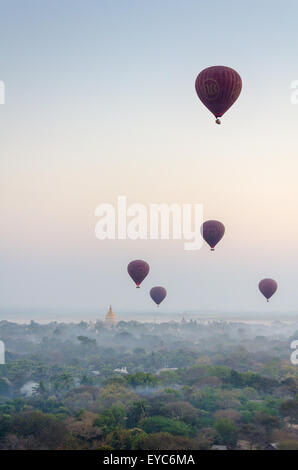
(147, 386)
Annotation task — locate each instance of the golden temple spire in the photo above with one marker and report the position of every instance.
(110, 318)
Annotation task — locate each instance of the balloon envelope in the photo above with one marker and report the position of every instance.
(158, 294)
(212, 231)
(218, 88)
(138, 270)
(268, 287)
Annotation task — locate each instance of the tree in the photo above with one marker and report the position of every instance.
(291, 386)
(156, 424)
(63, 382)
(83, 434)
(115, 395)
(111, 419)
(182, 411)
(4, 426)
(227, 432)
(45, 430)
(88, 380)
(5, 386)
(229, 413)
(136, 411)
(289, 409)
(252, 433)
(142, 379)
(269, 422)
(126, 439)
(166, 441)
(85, 341)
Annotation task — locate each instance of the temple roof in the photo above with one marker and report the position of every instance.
(110, 318)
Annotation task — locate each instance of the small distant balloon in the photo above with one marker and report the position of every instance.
(218, 88)
(158, 294)
(268, 287)
(212, 231)
(138, 270)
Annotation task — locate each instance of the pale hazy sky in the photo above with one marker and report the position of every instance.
(100, 102)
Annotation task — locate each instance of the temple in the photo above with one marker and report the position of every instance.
(110, 318)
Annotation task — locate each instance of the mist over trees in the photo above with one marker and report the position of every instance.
(173, 385)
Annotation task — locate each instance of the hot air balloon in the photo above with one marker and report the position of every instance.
(267, 287)
(138, 270)
(218, 88)
(212, 232)
(158, 294)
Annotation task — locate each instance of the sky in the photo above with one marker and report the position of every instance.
(100, 102)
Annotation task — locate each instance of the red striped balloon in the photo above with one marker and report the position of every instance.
(218, 88)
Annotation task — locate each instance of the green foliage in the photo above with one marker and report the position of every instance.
(289, 408)
(251, 379)
(87, 342)
(156, 424)
(63, 382)
(111, 419)
(227, 432)
(227, 384)
(5, 386)
(136, 411)
(5, 420)
(45, 431)
(142, 379)
(126, 439)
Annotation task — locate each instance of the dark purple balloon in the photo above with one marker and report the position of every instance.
(267, 287)
(212, 232)
(138, 270)
(218, 88)
(158, 294)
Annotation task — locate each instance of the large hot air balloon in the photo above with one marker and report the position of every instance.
(267, 287)
(212, 232)
(138, 270)
(158, 294)
(218, 88)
